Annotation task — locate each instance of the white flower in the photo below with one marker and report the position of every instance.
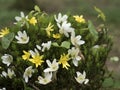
(46, 79)
(22, 18)
(10, 73)
(28, 73)
(65, 28)
(74, 52)
(81, 78)
(22, 37)
(60, 18)
(114, 58)
(3, 88)
(76, 40)
(7, 59)
(96, 46)
(46, 46)
(52, 66)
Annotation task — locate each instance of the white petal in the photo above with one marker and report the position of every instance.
(81, 42)
(17, 18)
(78, 37)
(75, 62)
(24, 33)
(4, 73)
(64, 18)
(58, 25)
(48, 75)
(54, 61)
(78, 73)
(66, 34)
(78, 58)
(47, 70)
(38, 47)
(18, 38)
(84, 74)
(86, 81)
(48, 63)
(55, 17)
(32, 53)
(20, 34)
(22, 14)
(26, 79)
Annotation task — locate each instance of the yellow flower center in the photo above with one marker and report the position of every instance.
(4, 32)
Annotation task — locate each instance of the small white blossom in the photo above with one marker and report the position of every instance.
(22, 19)
(81, 78)
(10, 73)
(28, 73)
(3, 88)
(65, 28)
(52, 66)
(114, 58)
(7, 59)
(46, 79)
(96, 46)
(74, 52)
(77, 40)
(61, 18)
(46, 46)
(22, 37)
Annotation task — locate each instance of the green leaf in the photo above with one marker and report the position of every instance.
(117, 84)
(55, 44)
(7, 39)
(108, 82)
(5, 43)
(65, 44)
(37, 8)
(100, 14)
(10, 36)
(92, 30)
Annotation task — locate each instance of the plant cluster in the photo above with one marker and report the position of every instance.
(42, 52)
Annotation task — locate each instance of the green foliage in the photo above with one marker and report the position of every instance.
(93, 53)
(92, 30)
(6, 40)
(100, 14)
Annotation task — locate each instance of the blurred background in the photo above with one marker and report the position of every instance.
(111, 8)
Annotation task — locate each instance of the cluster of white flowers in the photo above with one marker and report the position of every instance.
(65, 29)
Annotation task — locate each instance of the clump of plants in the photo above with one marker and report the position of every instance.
(58, 52)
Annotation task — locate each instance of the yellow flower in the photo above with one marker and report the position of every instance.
(49, 29)
(3, 32)
(56, 36)
(79, 19)
(37, 59)
(33, 21)
(26, 55)
(64, 61)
